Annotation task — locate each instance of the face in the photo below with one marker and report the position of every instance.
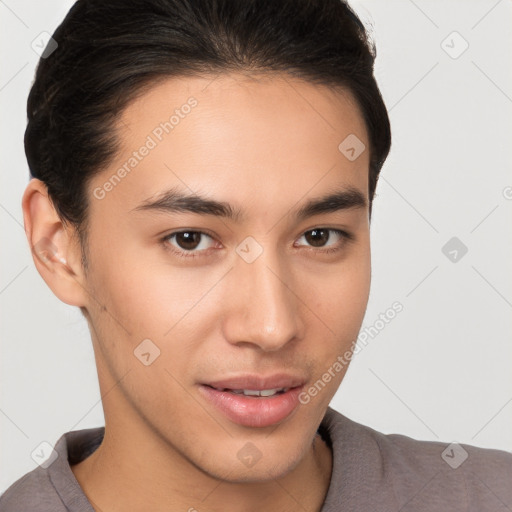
(189, 300)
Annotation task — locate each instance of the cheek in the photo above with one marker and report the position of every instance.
(354, 289)
(339, 299)
(152, 299)
(341, 292)
(146, 296)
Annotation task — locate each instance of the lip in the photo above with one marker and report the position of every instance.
(258, 382)
(250, 411)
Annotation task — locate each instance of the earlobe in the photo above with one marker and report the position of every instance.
(55, 252)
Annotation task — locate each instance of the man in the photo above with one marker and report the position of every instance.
(203, 175)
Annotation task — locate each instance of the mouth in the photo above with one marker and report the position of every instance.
(265, 393)
(254, 402)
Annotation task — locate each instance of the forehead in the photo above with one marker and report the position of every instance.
(263, 139)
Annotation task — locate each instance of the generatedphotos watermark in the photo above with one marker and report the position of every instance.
(152, 140)
(365, 335)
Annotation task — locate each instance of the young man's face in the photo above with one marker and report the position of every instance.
(261, 297)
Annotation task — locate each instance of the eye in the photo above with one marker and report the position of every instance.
(190, 243)
(322, 237)
(184, 242)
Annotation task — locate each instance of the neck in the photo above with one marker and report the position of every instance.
(123, 475)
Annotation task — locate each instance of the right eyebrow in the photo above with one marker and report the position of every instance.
(174, 201)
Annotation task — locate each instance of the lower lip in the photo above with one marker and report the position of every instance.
(253, 411)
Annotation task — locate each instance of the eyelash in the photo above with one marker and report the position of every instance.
(345, 236)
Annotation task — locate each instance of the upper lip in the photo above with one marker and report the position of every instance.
(258, 382)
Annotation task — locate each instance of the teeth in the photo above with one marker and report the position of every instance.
(253, 392)
(268, 392)
(256, 392)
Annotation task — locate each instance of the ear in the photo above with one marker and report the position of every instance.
(55, 247)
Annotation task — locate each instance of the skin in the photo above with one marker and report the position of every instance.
(266, 145)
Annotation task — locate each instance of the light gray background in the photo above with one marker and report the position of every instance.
(441, 369)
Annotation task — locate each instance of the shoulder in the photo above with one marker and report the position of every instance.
(479, 477)
(431, 475)
(52, 486)
(33, 491)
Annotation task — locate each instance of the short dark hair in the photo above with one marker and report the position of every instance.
(110, 52)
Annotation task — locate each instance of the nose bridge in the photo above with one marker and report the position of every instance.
(264, 309)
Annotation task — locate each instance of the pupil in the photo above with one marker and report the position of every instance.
(318, 237)
(188, 239)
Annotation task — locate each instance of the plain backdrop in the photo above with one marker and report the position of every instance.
(442, 368)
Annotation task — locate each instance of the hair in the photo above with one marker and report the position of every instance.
(110, 52)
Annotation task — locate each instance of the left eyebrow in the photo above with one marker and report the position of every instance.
(174, 201)
(341, 200)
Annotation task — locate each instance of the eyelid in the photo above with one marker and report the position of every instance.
(345, 238)
(179, 252)
(341, 232)
(336, 247)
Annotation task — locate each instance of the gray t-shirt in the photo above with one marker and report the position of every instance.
(371, 472)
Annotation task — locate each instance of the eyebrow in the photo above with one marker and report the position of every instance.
(175, 201)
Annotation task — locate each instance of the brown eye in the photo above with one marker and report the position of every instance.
(188, 239)
(188, 243)
(317, 237)
(326, 239)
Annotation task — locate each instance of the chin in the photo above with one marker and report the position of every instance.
(249, 465)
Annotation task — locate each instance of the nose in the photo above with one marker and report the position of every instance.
(263, 303)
